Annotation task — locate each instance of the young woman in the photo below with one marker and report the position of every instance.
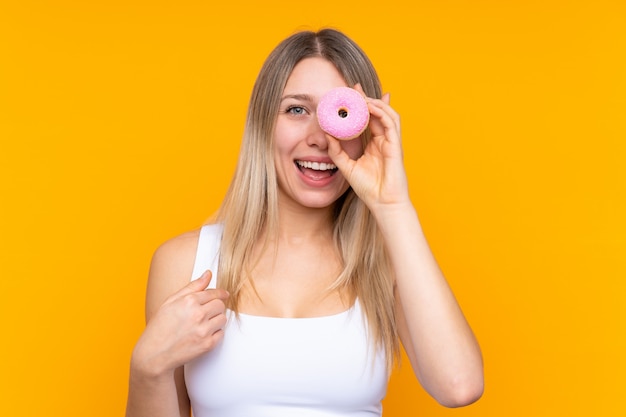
(314, 272)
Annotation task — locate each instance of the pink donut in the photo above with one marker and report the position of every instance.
(343, 113)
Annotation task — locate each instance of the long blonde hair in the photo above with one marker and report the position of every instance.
(250, 206)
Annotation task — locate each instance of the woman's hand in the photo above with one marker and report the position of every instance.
(378, 176)
(189, 323)
(439, 343)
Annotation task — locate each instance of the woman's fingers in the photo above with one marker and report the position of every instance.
(189, 323)
(385, 117)
(386, 122)
(339, 156)
(205, 296)
(211, 304)
(196, 285)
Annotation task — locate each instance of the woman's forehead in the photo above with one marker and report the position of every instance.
(313, 77)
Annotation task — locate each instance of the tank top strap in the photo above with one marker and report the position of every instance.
(207, 254)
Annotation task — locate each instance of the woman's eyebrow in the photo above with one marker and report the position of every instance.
(301, 97)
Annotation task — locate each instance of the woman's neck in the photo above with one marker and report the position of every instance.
(297, 223)
(308, 223)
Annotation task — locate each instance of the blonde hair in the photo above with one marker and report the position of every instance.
(250, 206)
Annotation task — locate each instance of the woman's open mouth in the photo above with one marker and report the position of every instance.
(316, 170)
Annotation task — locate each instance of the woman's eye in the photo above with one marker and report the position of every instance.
(296, 110)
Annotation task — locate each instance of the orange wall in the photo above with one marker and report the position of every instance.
(119, 128)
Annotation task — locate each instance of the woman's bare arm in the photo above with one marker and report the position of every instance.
(183, 321)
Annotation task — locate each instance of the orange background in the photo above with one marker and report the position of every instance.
(120, 124)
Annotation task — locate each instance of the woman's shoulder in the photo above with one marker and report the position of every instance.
(177, 250)
(171, 268)
(178, 254)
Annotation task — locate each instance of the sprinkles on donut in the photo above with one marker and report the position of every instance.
(342, 113)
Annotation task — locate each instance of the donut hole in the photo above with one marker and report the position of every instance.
(342, 112)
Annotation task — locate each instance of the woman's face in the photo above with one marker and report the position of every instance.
(306, 175)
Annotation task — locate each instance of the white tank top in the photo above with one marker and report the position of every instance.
(292, 367)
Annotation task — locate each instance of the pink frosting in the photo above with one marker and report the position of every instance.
(343, 113)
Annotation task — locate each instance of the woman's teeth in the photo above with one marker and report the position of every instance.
(317, 166)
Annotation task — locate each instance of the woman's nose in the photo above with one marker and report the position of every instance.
(315, 135)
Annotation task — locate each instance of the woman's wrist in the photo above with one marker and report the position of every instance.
(145, 369)
(391, 214)
(400, 227)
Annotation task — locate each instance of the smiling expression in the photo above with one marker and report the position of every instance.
(306, 175)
